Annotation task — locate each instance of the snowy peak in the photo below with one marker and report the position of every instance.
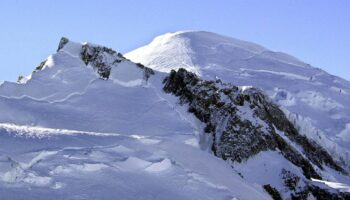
(191, 49)
(315, 101)
(213, 39)
(101, 59)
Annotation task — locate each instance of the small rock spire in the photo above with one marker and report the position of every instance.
(63, 42)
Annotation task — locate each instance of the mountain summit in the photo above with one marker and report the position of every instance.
(200, 50)
(316, 102)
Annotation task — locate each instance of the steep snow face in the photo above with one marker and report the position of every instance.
(318, 103)
(90, 124)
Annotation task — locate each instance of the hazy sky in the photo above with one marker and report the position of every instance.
(317, 32)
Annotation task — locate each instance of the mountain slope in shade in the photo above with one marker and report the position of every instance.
(317, 103)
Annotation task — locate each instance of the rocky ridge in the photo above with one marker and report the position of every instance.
(244, 122)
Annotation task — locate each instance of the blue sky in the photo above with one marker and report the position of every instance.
(317, 32)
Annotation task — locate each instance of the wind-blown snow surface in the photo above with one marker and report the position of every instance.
(84, 166)
(318, 103)
(67, 134)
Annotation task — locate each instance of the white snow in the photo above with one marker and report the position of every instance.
(340, 186)
(159, 166)
(133, 163)
(127, 75)
(345, 133)
(124, 166)
(77, 168)
(36, 131)
(177, 53)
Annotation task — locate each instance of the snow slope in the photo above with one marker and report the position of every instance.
(317, 102)
(84, 166)
(65, 133)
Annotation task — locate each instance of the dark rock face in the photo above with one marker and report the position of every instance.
(62, 43)
(271, 114)
(147, 71)
(246, 122)
(302, 191)
(40, 66)
(96, 56)
(319, 194)
(322, 194)
(272, 192)
(290, 180)
(103, 59)
(20, 78)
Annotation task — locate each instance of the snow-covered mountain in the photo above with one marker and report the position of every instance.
(68, 133)
(90, 124)
(315, 101)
